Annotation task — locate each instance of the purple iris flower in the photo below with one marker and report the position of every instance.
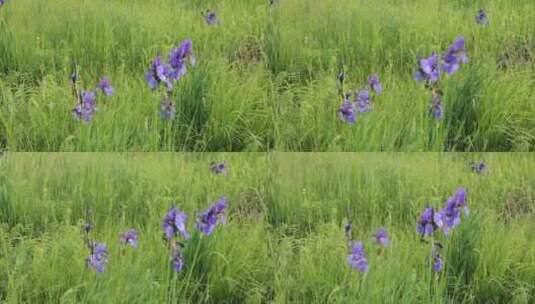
(348, 112)
(167, 109)
(177, 260)
(219, 168)
(460, 200)
(357, 257)
(428, 69)
(436, 110)
(208, 220)
(98, 257)
(167, 73)
(381, 237)
(159, 72)
(482, 18)
(375, 84)
(211, 18)
(449, 217)
(89, 98)
(479, 168)
(174, 222)
(438, 264)
(426, 226)
(129, 238)
(364, 101)
(105, 86)
(87, 108)
(455, 55)
(179, 57)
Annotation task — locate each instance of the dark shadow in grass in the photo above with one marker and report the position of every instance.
(518, 204)
(517, 53)
(247, 52)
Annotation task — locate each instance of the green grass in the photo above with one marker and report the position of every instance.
(284, 240)
(266, 76)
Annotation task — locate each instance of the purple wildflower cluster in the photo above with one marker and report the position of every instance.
(168, 73)
(175, 222)
(359, 101)
(98, 258)
(174, 225)
(161, 72)
(482, 18)
(445, 219)
(479, 167)
(208, 220)
(98, 252)
(2, 2)
(177, 258)
(381, 237)
(211, 17)
(438, 263)
(167, 109)
(86, 106)
(436, 110)
(430, 70)
(450, 215)
(105, 86)
(455, 56)
(129, 238)
(357, 258)
(219, 168)
(426, 226)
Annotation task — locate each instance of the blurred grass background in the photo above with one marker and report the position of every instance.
(266, 76)
(284, 240)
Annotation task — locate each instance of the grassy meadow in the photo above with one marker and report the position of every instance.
(283, 241)
(265, 77)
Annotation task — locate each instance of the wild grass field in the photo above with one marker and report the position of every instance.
(284, 239)
(265, 76)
